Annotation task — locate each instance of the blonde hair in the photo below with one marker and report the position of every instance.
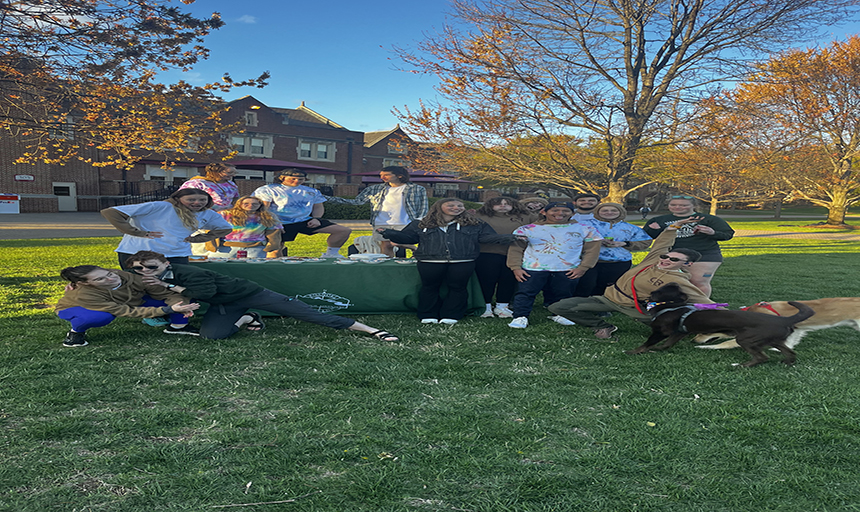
(239, 217)
(188, 218)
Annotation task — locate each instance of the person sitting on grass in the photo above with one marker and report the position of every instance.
(95, 296)
(230, 298)
(630, 293)
(558, 250)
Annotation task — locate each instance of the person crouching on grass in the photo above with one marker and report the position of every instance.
(95, 296)
(230, 298)
(557, 250)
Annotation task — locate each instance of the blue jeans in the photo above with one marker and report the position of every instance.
(557, 282)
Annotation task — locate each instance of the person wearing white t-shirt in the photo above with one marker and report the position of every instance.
(394, 203)
(167, 226)
(558, 250)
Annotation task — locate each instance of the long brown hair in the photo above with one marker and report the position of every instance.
(517, 209)
(239, 217)
(188, 218)
(434, 217)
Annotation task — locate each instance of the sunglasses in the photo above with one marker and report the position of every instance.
(682, 197)
(671, 258)
(149, 267)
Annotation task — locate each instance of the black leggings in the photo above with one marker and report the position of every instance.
(456, 277)
(495, 277)
(595, 281)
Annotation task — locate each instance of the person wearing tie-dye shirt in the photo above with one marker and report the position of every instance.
(558, 250)
(255, 230)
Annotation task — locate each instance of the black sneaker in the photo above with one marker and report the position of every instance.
(185, 329)
(75, 339)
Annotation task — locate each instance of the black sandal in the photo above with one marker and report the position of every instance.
(255, 325)
(384, 335)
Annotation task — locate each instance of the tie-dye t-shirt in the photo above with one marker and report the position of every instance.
(555, 247)
(252, 231)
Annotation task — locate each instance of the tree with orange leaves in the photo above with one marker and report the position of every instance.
(619, 75)
(78, 75)
(813, 96)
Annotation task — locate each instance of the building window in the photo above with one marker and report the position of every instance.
(252, 146)
(322, 179)
(63, 131)
(248, 174)
(176, 175)
(397, 148)
(316, 150)
(250, 119)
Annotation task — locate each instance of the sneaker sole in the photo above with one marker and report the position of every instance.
(182, 333)
(84, 344)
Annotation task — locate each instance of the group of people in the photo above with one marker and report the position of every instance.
(578, 254)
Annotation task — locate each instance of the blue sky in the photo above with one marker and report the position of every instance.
(335, 55)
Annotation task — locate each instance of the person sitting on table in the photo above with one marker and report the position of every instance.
(217, 181)
(300, 210)
(395, 203)
(95, 296)
(449, 240)
(167, 226)
(629, 294)
(230, 298)
(255, 230)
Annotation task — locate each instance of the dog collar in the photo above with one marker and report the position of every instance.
(765, 305)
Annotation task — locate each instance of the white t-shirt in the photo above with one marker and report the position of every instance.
(160, 216)
(393, 210)
(555, 247)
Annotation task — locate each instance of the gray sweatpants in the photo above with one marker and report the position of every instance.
(220, 319)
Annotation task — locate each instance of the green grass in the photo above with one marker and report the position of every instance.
(475, 417)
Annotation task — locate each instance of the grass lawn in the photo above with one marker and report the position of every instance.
(472, 417)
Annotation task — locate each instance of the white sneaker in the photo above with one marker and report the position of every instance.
(520, 322)
(429, 321)
(561, 320)
(488, 314)
(447, 321)
(332, 255)
(503, 312)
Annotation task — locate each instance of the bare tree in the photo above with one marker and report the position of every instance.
(623, 74)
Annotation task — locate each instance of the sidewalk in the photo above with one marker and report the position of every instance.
(29, 226)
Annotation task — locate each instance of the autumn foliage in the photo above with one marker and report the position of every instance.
(79, 78)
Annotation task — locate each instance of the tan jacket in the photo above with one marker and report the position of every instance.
(648, 277)
(126, 300)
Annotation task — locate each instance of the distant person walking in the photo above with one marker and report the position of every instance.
(645, 211)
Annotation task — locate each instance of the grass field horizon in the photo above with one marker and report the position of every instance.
(472, 417)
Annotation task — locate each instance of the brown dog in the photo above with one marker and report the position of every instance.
(830, 312)
(673, 319)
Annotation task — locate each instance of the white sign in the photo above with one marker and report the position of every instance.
(25, 177)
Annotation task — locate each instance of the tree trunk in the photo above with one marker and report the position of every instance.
(617, 192)
(838, 207)
(777, 213)
(714, 205)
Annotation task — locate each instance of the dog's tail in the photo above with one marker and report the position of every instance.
(803, 312)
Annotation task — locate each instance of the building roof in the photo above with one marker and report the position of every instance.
(306, 115)
(372, 138)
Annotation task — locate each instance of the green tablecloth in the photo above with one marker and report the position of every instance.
(358, 289)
